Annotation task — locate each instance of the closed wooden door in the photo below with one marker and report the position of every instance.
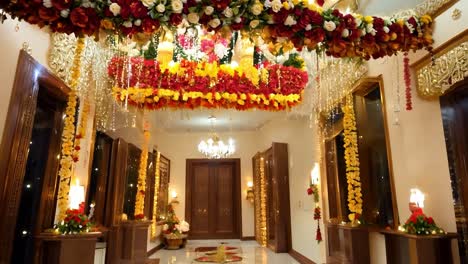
(213, 198)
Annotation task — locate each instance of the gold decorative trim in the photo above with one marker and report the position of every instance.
(449, 65)
(429, 7)
(263, 204)
(157, 177)
(61, 54)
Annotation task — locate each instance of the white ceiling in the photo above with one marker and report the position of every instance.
(179, 121)
(385, 7)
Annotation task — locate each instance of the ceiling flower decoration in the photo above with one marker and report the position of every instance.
(305, 24)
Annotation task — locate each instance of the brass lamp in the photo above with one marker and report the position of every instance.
(250, 193)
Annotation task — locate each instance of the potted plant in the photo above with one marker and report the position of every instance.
(74, 223)
(174, 230)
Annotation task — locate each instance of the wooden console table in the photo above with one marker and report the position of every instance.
(403, 248)
(347, 244)
(134, 241)
(67, 249)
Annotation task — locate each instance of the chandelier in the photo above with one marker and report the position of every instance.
(214, 147)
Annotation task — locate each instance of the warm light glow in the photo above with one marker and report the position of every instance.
(315, 174)
(214, 148)
(250, 184)
(77, 194)
(417, 197)
(174, 194)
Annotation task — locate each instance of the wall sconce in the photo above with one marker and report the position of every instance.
(77, 195)
(174, 200)
(250, 193)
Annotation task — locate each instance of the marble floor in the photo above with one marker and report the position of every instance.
(250, 251)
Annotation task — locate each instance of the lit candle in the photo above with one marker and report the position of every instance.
(77, 194)
(250, 184)
(174, 194)
(417, 197)
(315, 174)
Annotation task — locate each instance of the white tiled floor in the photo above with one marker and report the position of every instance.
(251, 253)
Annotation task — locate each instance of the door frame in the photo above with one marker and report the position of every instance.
(30, 75)
(236, 189)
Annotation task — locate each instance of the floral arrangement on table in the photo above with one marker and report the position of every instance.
(420, 224)
(352, 161)
(75, 222)
(305, 24)
(173, 227)
(190, 84)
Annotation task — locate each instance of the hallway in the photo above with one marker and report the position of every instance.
(250, 251)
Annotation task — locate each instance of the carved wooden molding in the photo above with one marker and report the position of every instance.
(448, 65)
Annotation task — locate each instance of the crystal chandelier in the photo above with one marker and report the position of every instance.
(214, 148)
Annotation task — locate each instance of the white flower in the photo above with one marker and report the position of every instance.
(127, 24)
(115, 9)
(290, 21)
(254, 23)
(209, 10)
(228, 12)
(160, 8)
(184, 227)
(238, 19)
(177, 6)
(137, 22)
(193, 18)
(345, 33)
(363, 32)
(47, 3)
(214, 23)
(87, 4)
(358, 21)
(329, 25)
(386, 29)
(267, 3)
(257, 9)
(276, 5)
(308, 27)
(64, 13)
(165, 227)
(410, 27)
(220, 50)
(148, 3)
(370, 29)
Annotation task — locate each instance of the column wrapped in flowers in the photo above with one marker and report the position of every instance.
(67, 156)
(352, 161)
(141, 185)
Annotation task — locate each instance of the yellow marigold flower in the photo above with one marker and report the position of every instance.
(156, 99)
(217, 96)
(426, 19)
(243, 96)
(185, 97)
(240, 102)
(286, 5)
(368, 19)
(233, 97)
(107, 24)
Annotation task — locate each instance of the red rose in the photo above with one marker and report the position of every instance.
(281, 16)
(48, 14)
(220, 5)
(150, 25)
(75, 159)
(430, 220)
(349, 21)
(125, 11)
(316, 35)
(175, 19)
(67, 219)
(320, 2)
(61, 4)
(77, 147)
(79, 17)
(138, 10)
(310, 191)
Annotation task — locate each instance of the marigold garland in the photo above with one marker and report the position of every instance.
(81, 131)
(191, 85)
(352, 160)
(141, 190)
(157, 176)
(68, 135)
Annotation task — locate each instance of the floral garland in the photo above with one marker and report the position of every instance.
(210, 85)
(141, 185)
(68, 135)
(81, 131)
(352, 161)
(420, 224)
(157, 176)
(313, 190)
(306, 24)
(407, 75)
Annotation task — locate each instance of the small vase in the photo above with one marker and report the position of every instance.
(174, 243)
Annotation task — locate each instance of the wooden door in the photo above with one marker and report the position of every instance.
(454, 106)
(213, 198)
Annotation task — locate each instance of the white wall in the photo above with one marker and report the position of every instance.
(11, 43)
(417, 143)
(303, 153)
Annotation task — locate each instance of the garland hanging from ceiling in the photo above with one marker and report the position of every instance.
(305, 24)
